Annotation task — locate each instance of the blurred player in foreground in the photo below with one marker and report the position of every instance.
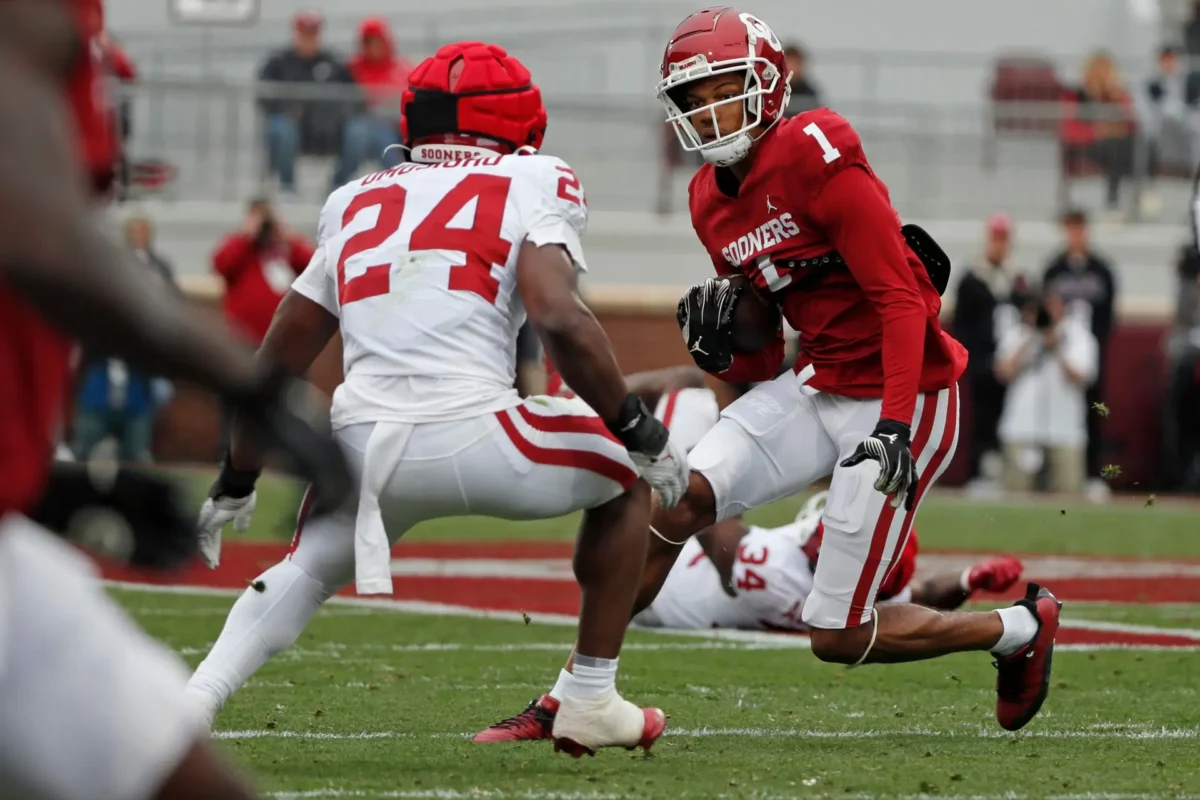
(794, 218)
(430, 269)
(759, 578)
(90, 707)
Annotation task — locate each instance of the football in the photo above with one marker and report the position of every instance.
(755, 320)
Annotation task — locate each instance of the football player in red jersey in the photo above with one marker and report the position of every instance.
(91, 706)
(794, 205)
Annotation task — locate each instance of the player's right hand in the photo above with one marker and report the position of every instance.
(660, 461)
(705, 317)
(314, 455)
(215, 514)
(667, 473)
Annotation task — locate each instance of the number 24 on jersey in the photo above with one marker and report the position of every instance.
(481, 244)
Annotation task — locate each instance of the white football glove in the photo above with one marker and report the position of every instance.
(667, 472)
(215, 515)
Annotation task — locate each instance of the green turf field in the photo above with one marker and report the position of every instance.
(379, 704)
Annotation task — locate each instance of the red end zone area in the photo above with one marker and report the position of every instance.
(536, 578)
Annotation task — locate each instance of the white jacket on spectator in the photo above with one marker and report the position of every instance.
(1044, 406)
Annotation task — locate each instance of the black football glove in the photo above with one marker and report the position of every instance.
(126, 514)
(705, 316)
(312, 454)
(897, 469)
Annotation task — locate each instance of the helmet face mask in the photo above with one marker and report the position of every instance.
(707, 46)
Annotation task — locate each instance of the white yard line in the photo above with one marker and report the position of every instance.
(749, 639)
(1137, 732)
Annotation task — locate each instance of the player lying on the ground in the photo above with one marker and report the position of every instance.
(798, 225)
(429, 270)
(758, 578)
(90, 707)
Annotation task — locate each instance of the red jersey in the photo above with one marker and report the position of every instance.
(555, 385)
(34, 358)
(813, 227)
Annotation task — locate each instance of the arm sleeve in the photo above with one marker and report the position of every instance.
(234, 254)
(317, 282)
(557, 209)
(862, 226)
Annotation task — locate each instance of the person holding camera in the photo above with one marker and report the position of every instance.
(1047, 362)
(258, 264)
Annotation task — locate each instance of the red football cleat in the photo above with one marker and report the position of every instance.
(585, 726)
(1024, 677)
(534, 723)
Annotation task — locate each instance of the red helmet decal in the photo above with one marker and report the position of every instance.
(474, 89)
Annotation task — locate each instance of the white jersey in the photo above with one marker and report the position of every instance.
(772, 577)
(419, 263)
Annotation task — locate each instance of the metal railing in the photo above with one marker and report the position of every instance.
(948, 161)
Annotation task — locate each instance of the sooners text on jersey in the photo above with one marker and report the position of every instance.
(767, 233)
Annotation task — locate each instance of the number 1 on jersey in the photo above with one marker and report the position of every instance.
(831, 153)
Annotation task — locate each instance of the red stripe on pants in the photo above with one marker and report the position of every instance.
(566, 423)
(669, 411)
(866, 579)
(302, 517)
(563, 457)
(926, 478)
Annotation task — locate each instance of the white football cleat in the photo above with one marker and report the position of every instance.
(584, 726)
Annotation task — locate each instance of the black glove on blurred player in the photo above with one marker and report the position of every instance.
(705, 316)
(127, 514)
(897, 470)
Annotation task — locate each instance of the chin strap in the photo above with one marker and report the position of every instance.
(874, 633)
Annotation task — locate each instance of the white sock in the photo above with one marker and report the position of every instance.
(591, 678)
(560, 685)
(259, 625)
(1020, 627)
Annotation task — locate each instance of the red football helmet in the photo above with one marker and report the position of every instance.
(720, 41)
(471, 99)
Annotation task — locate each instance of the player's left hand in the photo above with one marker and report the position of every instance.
(888, 445)
(994, 575)
(667, 472)
(231, 499)
(661, 463)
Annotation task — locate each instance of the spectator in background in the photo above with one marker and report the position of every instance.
(983, 308)
(115, 401)
(1081, 276)
(1098, 125)
(296, 124)
(1181, 424)
(805, 95)
(1047, 360)
(1191, 31)
(258, 263)
(1169, 105)
(382, 75)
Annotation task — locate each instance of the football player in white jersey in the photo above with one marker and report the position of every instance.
(429, 269)
(758, 578)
